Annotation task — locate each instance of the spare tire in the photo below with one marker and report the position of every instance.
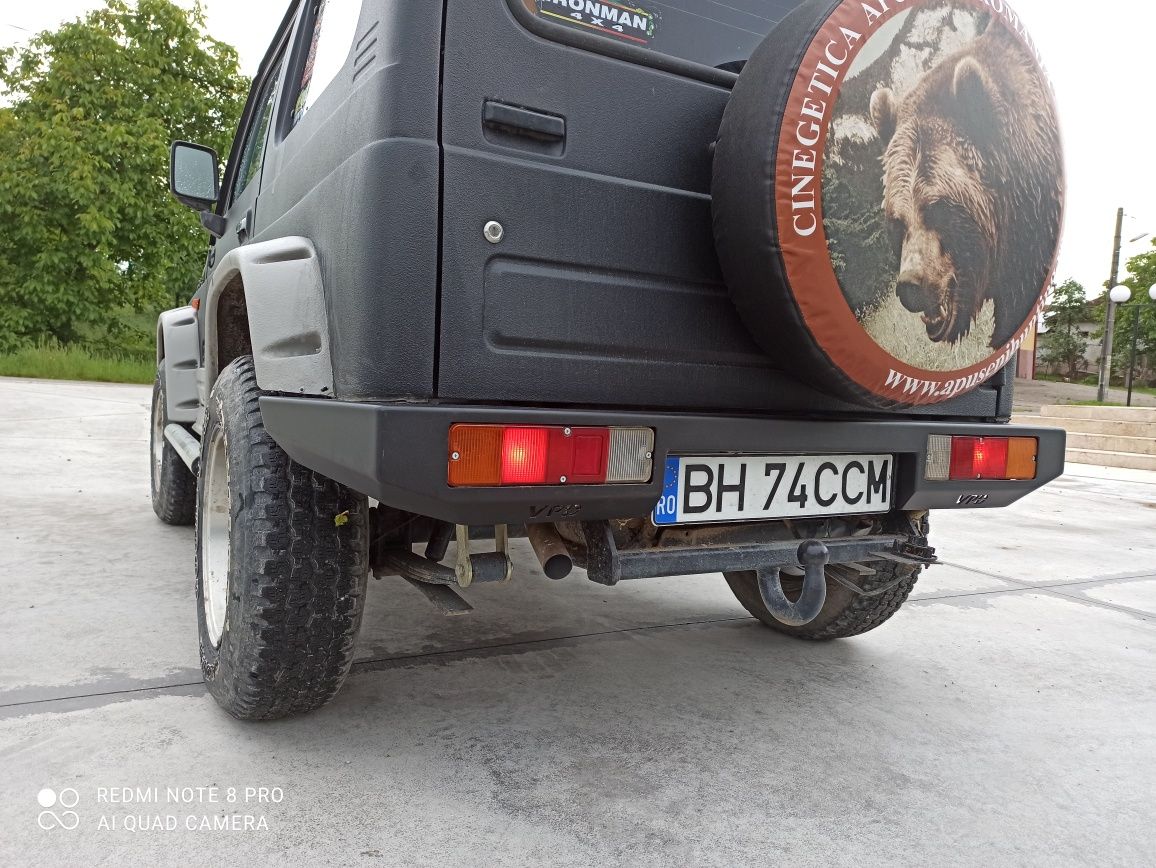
(888, 194)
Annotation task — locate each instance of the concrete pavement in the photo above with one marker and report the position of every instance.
(1030, 395)
(1004, 716)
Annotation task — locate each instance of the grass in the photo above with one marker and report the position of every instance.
(51, 362)
(1100, 403)
(1090, 380)
(1116, 387)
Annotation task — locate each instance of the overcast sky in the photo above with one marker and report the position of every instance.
(1100, 56)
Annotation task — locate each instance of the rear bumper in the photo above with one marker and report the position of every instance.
(396, 453)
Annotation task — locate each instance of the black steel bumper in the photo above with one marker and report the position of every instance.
(396, 453)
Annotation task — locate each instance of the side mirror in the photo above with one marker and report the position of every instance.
(194, 175)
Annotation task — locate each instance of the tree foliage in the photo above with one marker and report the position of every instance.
(1141, 276)
(1063, 344)
(88, 228)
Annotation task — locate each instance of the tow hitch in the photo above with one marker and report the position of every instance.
(814, 556)
(838, 559)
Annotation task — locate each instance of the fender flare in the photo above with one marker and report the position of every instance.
(288, 322)
(178, 353)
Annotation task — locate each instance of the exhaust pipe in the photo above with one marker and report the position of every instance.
(186, 445)
(551, 550)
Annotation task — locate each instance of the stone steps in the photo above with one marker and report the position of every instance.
(1146, 415)
(1112, 443)
(1088, 426)
(1107, 436)
(1111, 459)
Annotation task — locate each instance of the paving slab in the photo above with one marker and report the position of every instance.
(950, 580)
(1140, 595)
(1008, 732)
(1003, 716)
(1076, 528)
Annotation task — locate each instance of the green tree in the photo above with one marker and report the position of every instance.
(1063, 344)
(1141, 276)
(88, 229)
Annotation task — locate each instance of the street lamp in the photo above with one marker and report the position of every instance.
(1117, 295)
(1122, 299)
(1120, 294)
(1110, 318)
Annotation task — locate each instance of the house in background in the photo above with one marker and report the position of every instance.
(1094, 346)
(1026, 357)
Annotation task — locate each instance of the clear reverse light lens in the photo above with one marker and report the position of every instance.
(631, 455)
(938, 466)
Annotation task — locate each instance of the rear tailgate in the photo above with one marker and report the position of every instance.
(604, 288)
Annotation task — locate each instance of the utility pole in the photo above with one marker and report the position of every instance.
(1110, 319)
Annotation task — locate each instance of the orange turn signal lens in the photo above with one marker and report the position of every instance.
(475, 455)
(1021, 457)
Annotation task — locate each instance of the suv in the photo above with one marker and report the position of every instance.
(483, 268)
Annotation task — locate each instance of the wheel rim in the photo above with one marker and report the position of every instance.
(215, 532)
(158, 435)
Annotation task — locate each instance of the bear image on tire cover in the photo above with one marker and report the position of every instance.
(888, 195)
(959, 228)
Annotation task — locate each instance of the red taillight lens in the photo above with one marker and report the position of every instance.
(579, 457)
(978, 457)
(524, 456)
(490, 455)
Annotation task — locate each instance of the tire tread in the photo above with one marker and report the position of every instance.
(174, 493)
(304, 576)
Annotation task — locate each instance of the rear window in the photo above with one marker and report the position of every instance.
(717, 34)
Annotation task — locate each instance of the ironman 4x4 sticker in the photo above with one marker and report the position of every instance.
(619, 20)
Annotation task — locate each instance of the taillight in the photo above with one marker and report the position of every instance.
(524, 452)
(492, 455)
(960, 458)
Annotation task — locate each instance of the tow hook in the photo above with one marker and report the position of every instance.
(813, 556)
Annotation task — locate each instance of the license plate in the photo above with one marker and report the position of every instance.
(752, 487)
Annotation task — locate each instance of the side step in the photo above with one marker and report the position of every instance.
(186, 445)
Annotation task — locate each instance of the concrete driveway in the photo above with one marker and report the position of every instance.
(1030, 395)
(1006, 716)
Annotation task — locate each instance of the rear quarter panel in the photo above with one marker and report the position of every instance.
(358, 176)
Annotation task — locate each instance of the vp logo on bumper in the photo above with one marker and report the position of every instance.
(972, 499)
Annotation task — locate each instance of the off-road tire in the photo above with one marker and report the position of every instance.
(297, 567)
(845, 613)
(174, 488)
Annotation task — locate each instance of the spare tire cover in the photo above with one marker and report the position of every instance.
(888, 194)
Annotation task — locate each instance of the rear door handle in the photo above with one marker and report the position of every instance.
(518, 121)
